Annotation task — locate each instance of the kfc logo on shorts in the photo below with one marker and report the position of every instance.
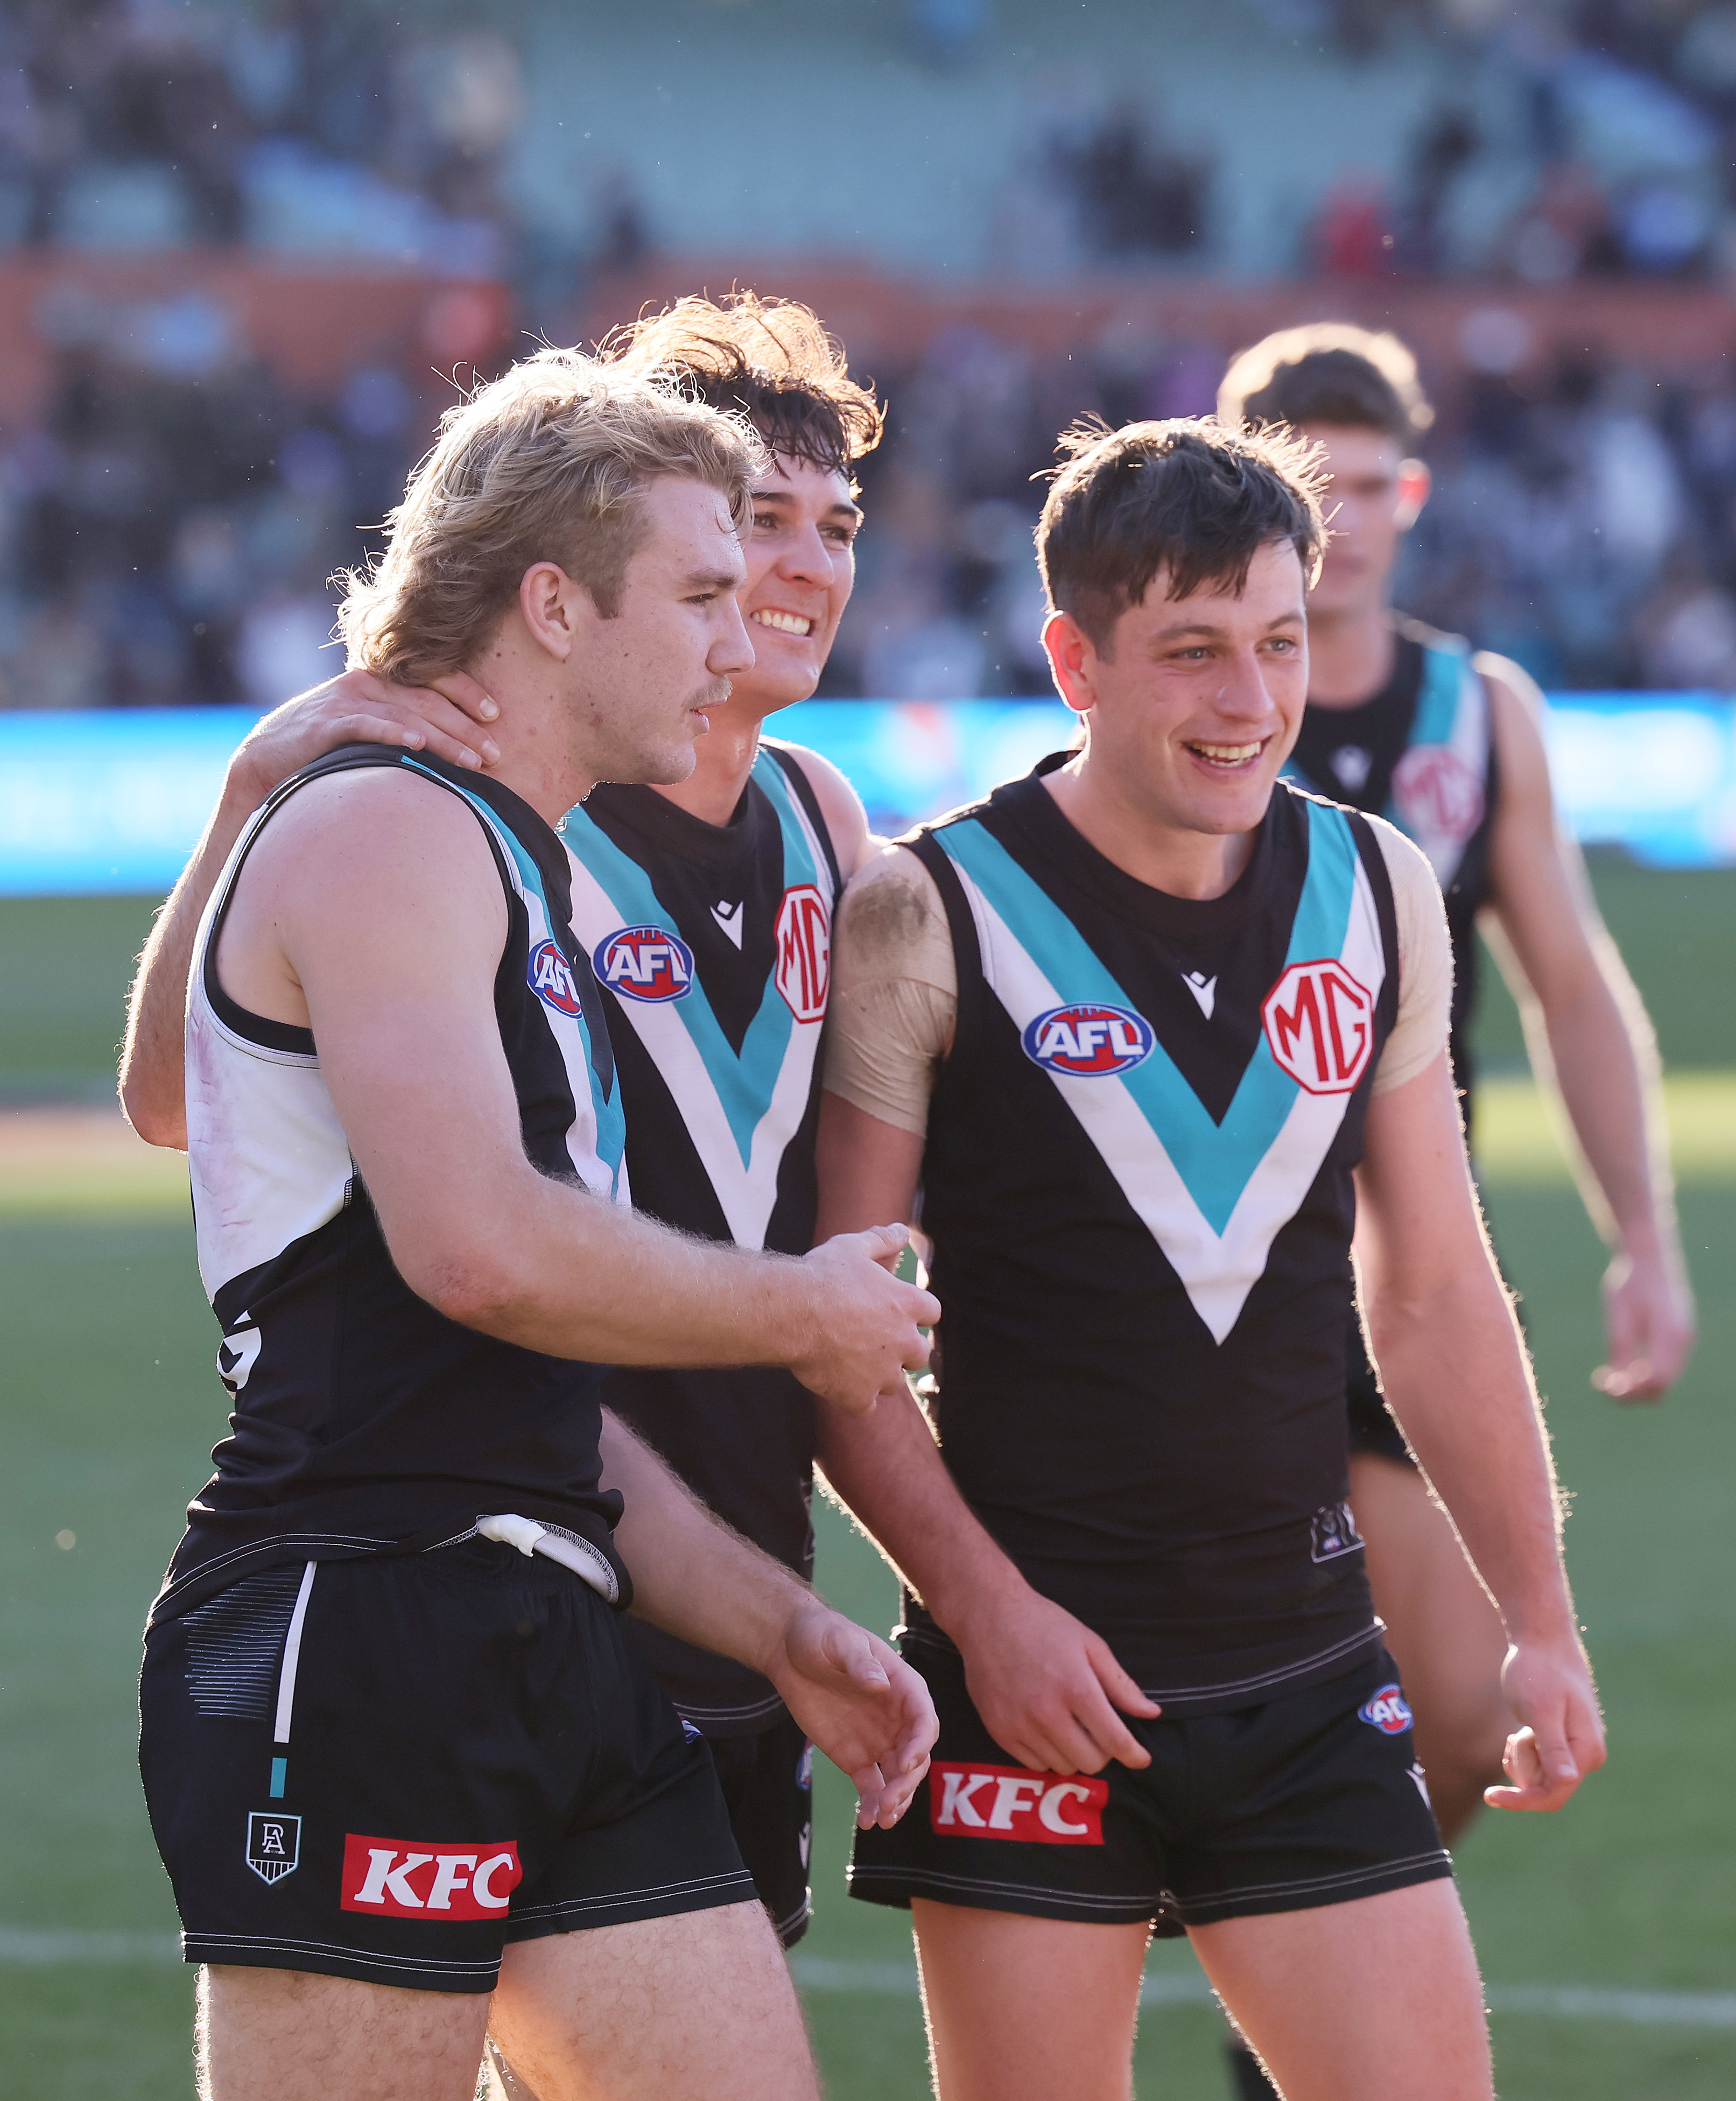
(1008, 1802)
(274, 1844)
(1089, 1043)
(1319, 1022)
(404, 1878)
(645, 962)
(1388, 1711)
(804, 937)
(550, 978)
(1436, 795)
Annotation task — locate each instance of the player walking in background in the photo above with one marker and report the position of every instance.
(705, 905)
(1153, 1032)
(1447, 746)
(394, 1767)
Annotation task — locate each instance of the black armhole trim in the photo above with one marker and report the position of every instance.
(259, 1028)
(803, 789)
(1386, 911)
(967, 950)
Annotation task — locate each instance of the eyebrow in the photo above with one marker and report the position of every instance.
(1293, 618)
(712, 579)
(773, 494)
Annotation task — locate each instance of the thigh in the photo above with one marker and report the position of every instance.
(285, 2035)
(1444, 1633)
(1024, 2009)
(699, 2006)
(768, 1788)
(1358, 2001)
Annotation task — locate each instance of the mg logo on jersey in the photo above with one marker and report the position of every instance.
(1009, 1802)
(1388, 1711)
(804, 952)
(416, 1878)
(645, 962)
(1320, 1021)
(274, 1844)
(1089, 1043)
(1437, 794)
(550, 978)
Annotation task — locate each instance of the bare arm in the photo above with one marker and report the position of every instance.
(1587, 1029)
(1454, 1370)
(400, 1001)
(355, 709)
(866, 1709)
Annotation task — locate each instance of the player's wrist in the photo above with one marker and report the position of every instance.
(973, 1602)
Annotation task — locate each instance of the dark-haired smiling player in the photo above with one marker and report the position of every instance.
(706, 906)
(1447, 744)
(1151, 1031)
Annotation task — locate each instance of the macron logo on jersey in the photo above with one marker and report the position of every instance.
(644, 962)
(1008, 1802)
(550, 978)
(1089, 1043)
(1319, 1022)
(404, 1878)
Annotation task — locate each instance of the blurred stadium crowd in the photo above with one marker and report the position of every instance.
(170, 509)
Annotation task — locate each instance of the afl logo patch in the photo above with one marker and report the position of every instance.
(1089, 1043)
(550, 978)
(644, 962)
(1319, 1022)
(1388, 1711)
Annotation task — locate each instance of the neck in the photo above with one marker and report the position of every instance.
(1180, 863)
(1350, 655)
(723, 758)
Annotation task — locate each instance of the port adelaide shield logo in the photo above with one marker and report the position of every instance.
(274, 1844)
(1087, 1042)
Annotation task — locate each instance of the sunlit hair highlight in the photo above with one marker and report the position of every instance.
(769, 359)
(547, 464)
(1331, 373)
(1188, 498)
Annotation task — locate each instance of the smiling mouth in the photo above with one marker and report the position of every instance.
(783, 623)
(1227, 757)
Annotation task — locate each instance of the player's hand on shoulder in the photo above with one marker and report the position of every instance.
(1047, 1688)
(360, 708)
(1560, 1739)
(862, 1705)
(1649, 1320)
(864, 1326)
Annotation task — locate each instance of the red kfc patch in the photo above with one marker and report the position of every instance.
(403, 1878)
(1011, 1802)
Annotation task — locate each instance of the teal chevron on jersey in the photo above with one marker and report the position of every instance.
(744, 1082)
(605, 1095)
(1216, 1161)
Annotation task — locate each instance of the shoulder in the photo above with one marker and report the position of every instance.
(1408, 868)
(1409, 629)
(839, 804)
(892, 920)
(1515, 712)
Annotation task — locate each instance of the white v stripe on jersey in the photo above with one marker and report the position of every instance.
(1217, 1271)
(747, 1191)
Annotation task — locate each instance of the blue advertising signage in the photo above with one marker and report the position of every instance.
(112, 800)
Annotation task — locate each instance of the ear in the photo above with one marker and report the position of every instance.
(552, 605)
(1072, 661)
(1415, 482)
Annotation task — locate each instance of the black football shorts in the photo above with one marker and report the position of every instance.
(388, 1769)
(768, 1784)
(1312, 1799)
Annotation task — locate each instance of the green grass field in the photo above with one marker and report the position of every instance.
(108, 1406)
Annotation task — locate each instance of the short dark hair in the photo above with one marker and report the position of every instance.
(1187, 496)
(1331, 373)
(771, 360)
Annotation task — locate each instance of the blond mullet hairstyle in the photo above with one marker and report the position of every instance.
(548, 463)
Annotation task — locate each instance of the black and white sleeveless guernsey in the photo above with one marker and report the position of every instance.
(1421, 753)
(1137, 1180)
(712, 944)
(365, 1421)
